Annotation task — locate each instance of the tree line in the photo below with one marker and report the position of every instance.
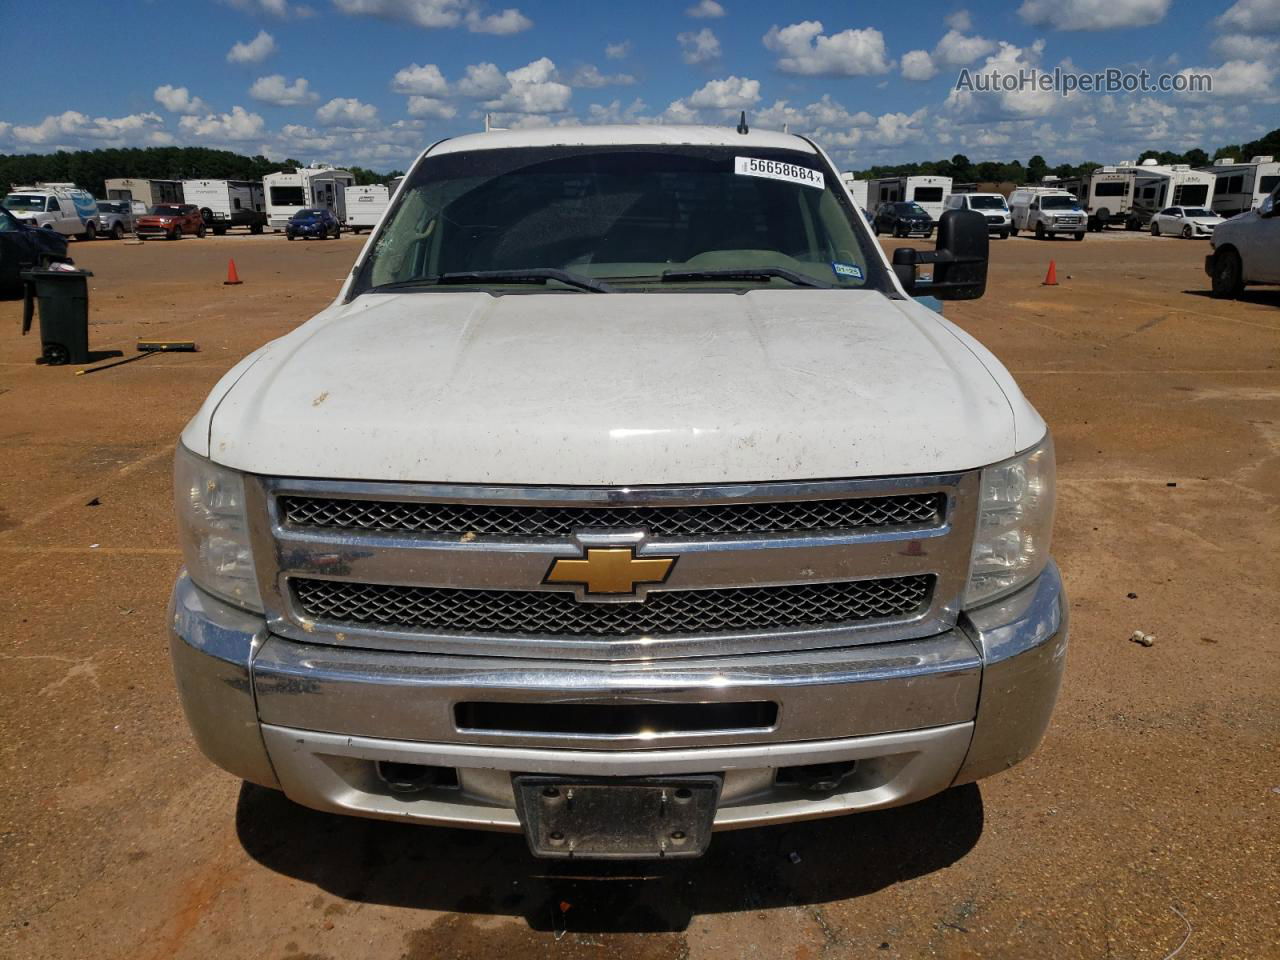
(960, 169)
(89, 169)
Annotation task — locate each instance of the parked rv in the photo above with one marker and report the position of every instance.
(316, 186)
(1046, 211)
(929, 192)
(228, 203)
(365, 206)
(1157, 186)
(62, 207)
(1241, 187)
(992, 206)
(115, 218)
(857, 189)
(149, 193)
(1106, 195)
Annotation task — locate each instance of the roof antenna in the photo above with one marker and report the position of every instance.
(742, 123)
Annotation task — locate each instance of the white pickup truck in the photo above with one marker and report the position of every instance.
(1246, 249)
(623, 494)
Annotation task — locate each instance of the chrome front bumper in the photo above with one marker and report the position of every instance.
(916, 715)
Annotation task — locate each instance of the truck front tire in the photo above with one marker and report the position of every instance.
(90, 232)
(117, 232)
(1228, 275)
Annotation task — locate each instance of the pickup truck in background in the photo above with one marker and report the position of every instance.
(1246, 249)
(624, 493)
(115, 218)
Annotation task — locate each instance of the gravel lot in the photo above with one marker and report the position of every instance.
(1156, 794)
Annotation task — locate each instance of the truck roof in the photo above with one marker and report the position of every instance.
(625, 135)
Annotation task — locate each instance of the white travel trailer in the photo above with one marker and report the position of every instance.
(62, 207)
(1106, 195)
(857, 188)
(1157, 186)
(930, 192)
(144, 191)
(1241, 187)
(317, 186)
(365, 206)
(228, 203)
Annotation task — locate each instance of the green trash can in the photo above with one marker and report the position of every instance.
(63, 296)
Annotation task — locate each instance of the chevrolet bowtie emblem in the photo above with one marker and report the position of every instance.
(610, 570)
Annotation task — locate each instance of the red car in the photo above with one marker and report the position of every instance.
(171, 221)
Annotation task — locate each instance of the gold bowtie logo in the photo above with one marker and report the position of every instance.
(610, 570)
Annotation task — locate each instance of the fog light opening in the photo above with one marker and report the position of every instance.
(815, 777)
(415, 777)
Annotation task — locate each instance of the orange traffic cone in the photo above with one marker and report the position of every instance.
(1051, 278)
(233, 278)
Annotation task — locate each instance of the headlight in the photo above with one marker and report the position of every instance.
(1015, 523)
(214, 529)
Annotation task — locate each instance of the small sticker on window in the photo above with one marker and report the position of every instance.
(778, 170)
(848, 271)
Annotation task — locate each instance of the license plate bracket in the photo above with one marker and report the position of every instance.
(615, 818)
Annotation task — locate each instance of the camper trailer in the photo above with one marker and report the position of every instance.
(147, 192)
(365, 206)
(1241, 187)
(228, 203)
(1106, 195)
(928, 191)
(1157, 186)
(857, 189)
(317, 186)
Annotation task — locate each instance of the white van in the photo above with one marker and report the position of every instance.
(63, 207)
(365, 206)
(1046, 211)
(993, 206)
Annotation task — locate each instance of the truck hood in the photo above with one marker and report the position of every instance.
(616, 389)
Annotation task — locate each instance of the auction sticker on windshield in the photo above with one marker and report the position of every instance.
(778, 170)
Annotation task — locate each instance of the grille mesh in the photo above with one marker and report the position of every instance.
(792, 516)
(544, 613)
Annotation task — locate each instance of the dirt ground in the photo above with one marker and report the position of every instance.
(1155, 796)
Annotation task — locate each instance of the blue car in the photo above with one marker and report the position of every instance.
(313, 222)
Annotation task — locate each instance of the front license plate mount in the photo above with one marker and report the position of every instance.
(615, 818)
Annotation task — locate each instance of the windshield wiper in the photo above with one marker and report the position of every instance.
(744, 273)
(528, 275)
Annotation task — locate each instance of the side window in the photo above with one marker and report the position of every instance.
(51, 205)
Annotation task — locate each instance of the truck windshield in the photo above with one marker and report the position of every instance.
(705, 216)
(988, 203)
(24, 201)
(1059, 203)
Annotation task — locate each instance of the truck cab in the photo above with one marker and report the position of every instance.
(623, 494)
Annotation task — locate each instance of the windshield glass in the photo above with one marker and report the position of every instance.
(1058, 203)
(1197, 212)
(106, 207)
(24, 201)
(912, 210)
(625, 215)
(988, 203)
(167, 210)
(308, 214)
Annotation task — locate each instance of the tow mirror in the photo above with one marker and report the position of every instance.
(959, 259)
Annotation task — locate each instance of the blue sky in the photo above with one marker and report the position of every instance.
(371, 82)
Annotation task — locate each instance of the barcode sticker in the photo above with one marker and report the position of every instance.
(778, 170)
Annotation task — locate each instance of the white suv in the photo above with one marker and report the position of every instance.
(993, 206)
(1246, 249)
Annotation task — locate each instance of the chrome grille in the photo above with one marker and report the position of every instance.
(545, 613)
(705, 520)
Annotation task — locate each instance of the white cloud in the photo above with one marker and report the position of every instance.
(1241, 46)
(1025, 102)
(615, 112)
(532, 89)
(237, 125)
(731, 93)
(179, 100)
(895, 128)
(1093, 14)
(483, 80)
(960, 20)
(347, 112)
(588, 75)
(956, 50)
(918, 65)
(275, 89)
(1237, 80)
(439, 14)
(431, 107)
(1251, 16)
(700, 47)
(426, 80)
(507, 22)
(253, 51)
(705, 10)
(618, 51)
(804, 49)
(71, 126)
(281, 9)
